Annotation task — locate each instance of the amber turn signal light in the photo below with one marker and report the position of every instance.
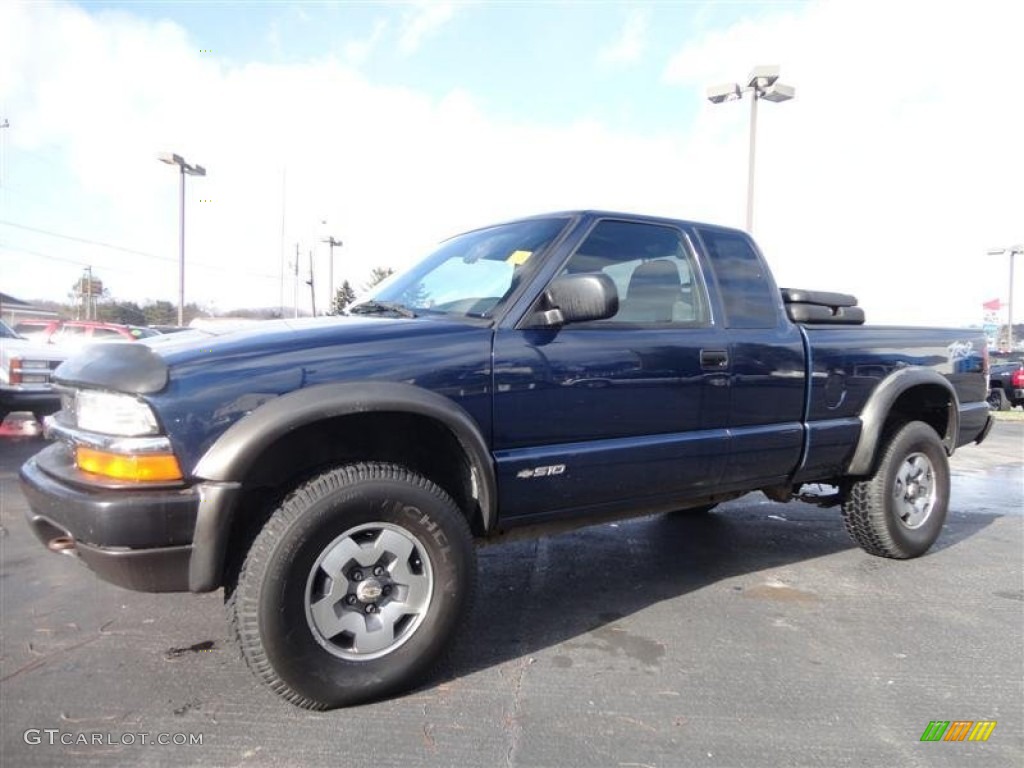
(147, 467)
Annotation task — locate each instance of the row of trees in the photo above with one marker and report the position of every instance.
(346, 294)
(109, 310)
(89, 299)
(153, 313)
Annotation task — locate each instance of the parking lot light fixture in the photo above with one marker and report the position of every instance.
(762, 83)
(191, 170)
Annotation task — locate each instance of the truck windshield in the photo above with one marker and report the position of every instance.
(470, 275)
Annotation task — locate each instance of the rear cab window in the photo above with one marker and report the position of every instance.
(748, 293)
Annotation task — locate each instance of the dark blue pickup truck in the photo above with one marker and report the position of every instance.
(333, 475)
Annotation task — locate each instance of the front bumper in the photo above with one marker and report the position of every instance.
(138, 538)
(37, 401)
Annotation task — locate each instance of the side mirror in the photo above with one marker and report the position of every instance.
(577, 299)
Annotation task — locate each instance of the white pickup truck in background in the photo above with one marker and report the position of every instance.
(25, 370)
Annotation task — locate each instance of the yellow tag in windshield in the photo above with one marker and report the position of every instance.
(518, 258)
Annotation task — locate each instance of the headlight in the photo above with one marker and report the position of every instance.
(113, 414)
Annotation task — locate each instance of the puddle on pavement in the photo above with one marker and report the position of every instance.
(616, 640)
(999, 490)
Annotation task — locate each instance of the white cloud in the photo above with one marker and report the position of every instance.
(391, 170)
(358, 51)
(421, 21)
(897, 163)
(631, 43)
(880, 178)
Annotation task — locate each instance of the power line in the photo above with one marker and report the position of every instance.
(132, 251)
(86, 240)
(49, 256)
(128, 270)
(104, 269)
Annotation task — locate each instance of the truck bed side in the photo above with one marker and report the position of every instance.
(848, 363)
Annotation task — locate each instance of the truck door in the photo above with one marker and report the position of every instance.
(768, 364)
(629, 409)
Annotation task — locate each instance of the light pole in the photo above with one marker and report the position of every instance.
(762, 84)
(1013, 250)
(191, 170)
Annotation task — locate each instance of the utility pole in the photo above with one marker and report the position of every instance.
(5, 123)
(295, 285)
(283, 200)
(88, 293)
(331, 241)
(312, 290)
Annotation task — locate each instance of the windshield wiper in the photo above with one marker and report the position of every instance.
(374, 307)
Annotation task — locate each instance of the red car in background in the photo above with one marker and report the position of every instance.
(78, 332)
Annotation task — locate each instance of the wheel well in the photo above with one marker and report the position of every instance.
(929, 403)
(420, 443)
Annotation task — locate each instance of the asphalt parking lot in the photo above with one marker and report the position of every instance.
(755, 636)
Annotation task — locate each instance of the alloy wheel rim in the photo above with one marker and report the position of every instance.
(914, 490)
(368, 591)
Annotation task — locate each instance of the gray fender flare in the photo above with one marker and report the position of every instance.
(879, 405)
(223, 466)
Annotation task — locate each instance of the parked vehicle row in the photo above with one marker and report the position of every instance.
(78, 332)
(1006, 385)
(33, 348)
(25, 371)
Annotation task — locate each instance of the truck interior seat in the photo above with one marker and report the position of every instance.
(653, 294)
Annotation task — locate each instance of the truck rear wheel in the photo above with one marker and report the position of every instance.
(900, 510)
(355, 586)
(997, 400)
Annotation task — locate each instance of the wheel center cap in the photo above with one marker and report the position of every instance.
(369, 590)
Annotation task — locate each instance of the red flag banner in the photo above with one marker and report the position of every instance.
(994, 305)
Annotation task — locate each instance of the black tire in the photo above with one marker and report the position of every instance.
(900, 510)
(409, 538)
(997, 399)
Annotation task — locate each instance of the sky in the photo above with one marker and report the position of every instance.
(390, 126)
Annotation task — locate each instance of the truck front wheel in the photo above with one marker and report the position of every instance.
(900, 510)
(354, 587)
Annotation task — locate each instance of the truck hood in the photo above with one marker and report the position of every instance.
(147, 366)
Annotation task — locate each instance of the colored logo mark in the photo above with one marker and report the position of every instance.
(958, 730)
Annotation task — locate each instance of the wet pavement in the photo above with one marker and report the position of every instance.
(758, 635)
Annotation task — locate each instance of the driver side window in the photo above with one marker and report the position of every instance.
(653, 271)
